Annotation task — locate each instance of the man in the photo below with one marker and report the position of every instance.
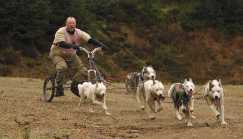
(66, 42)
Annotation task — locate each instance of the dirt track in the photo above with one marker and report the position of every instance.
(22, 113)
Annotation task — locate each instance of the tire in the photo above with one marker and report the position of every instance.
(49, 89)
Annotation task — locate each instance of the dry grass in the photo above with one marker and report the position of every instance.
(23, 115)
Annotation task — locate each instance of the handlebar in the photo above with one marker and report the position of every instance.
(90, 53)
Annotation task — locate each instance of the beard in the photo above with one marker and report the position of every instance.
(71, 31)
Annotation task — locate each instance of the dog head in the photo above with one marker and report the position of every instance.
(189, 86)
(100, 90)
(157, 89)
(148, 72)
(215, 91)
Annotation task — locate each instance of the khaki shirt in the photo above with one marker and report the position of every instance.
(79, 37)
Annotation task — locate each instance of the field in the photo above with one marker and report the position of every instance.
(24, 115)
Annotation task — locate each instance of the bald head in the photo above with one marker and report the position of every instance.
(70, 24)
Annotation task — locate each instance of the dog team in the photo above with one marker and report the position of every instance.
(150, 94)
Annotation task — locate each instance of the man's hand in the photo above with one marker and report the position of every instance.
(99, 48)
(75, 47)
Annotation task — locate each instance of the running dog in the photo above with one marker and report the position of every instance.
(96, 92)
(182, 97)
(214, 97)
(134, 78)
(152, 92)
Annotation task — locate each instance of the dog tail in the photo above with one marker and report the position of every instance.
(171, 90)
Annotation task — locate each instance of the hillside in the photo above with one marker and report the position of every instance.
(201, 40)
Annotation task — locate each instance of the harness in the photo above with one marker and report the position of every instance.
(180, 96)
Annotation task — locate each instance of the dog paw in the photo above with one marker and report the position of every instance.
(91, 110)
(218, 117)
(142, 108)
(189, 124)
(160, 109)
(179, 117)
(193, 116)
(223, 123)
(107, 113)
(151, 117)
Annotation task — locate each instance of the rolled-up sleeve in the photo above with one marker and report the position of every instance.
(59, 36)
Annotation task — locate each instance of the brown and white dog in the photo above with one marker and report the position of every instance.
(214, 96)
(96, 92)
(152, 93)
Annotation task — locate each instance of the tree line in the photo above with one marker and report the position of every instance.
(29, 25)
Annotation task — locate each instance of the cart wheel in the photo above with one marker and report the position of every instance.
(49, 89)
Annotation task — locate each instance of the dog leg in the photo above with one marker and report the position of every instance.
(149, 107)
(138, 95)
(222, 111)
(105, 107)
(156, 106)
(81, 99)
(191, 104)
(128, 86)
(178, 115)
(213, 108)
(91, 109)
(222, 115)
(188, 117)
(160, 106)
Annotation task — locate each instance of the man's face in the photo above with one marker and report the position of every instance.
(71, 25)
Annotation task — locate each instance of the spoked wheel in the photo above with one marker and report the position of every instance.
(49, 89)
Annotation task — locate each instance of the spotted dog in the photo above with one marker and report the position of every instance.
(182, 97)
(214, 97)
(152, 93)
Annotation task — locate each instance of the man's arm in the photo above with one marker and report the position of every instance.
(63, 44)
(95, 42)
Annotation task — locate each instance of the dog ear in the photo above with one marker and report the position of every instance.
(190, 79)
(185, 80)
(220, 84)
(210, 85)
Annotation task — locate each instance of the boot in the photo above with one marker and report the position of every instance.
(59, 82)
(74, 88)
(59, 91)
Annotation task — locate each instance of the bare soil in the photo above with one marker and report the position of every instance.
(24, 115)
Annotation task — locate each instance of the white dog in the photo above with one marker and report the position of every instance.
(182, 97)
(95, 92)
(214, 96)
(152, 92)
